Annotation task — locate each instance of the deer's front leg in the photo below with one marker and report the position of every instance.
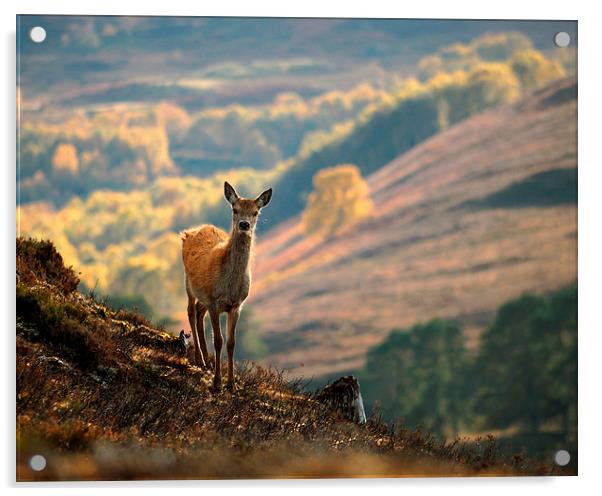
(232, 320)
(198, 358)
(200, 330)
(217, 344)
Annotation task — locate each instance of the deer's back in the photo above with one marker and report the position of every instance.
(203, 251)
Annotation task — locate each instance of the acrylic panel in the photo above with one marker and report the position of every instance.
(295, 248)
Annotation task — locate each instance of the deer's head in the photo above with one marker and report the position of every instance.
(245, 211)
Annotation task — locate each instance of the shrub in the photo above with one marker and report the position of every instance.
(39, 261)
(82, 337)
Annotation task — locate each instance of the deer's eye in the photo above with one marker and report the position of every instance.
(255, 214)
(236, 212)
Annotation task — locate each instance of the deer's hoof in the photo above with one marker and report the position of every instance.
(231, 386)
(216, 387)
(197, 359)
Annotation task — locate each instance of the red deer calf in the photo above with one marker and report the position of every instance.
(218, 277)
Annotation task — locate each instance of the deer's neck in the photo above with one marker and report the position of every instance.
(239, 251)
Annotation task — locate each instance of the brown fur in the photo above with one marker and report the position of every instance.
(218, 276)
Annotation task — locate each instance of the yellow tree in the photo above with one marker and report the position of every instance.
(491, 84)
(534, 70)
(500, 46)
(173, 118)
(64, 159)
(339, 200)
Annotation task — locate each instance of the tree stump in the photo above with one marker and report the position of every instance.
(344, 397)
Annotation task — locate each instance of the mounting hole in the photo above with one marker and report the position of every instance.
(37, 463)
(562, 39)
(562, 458)
(37, 34)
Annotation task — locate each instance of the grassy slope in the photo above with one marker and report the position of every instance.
(442, 242)
(104, 396)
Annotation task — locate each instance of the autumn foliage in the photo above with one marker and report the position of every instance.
(340, 199)
(534, 70)
(64, 159)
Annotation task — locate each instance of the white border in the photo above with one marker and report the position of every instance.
(590, 246)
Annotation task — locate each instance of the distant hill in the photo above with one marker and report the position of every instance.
(420, 111)
(98, 52)
(464, 221)
(105, 396)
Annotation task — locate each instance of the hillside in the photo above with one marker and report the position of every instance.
(136, 137)
(103, 395)
(99, 59)
(113, 186)
(466, 220)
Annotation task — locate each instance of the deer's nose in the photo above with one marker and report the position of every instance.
(243, 225)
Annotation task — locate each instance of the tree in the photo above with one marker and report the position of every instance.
(500, 46)
(527, 363)
(340, 199)
(418, 374)
(491, 84)
(64, 159)
(429, 66)
(174, 119)
(561, 366)
(534, 70)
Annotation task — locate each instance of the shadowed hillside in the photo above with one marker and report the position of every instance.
(102, 395)
(462, 223)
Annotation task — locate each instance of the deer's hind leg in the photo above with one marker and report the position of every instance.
(200, 330)
(198, 357)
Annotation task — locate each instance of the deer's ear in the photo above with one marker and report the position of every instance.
(264, 198)
(230, 193)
